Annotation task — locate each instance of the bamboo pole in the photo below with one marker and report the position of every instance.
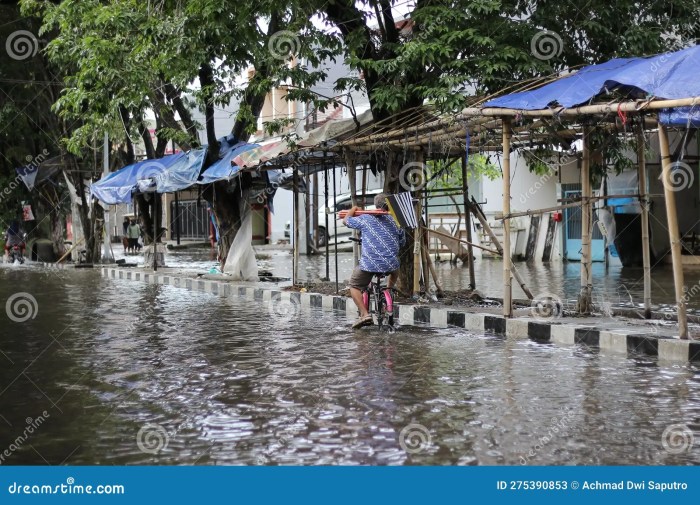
(499, 247)
(468, 223)
(417, 237)
(673, 232)
(644, 200)
(507, 276)
(499, 252)
(607, 108)
(584, 301)
(576, 203)
(70, 250)
(431, 267)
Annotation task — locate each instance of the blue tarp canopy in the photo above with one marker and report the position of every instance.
(117, 186)
(664, 76)
(223, 169)
(183, 173)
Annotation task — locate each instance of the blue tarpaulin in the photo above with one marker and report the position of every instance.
(183, 173)
(117, 187)
(223, 169)
(664, 76)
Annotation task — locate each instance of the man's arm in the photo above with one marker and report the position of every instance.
(351, 213)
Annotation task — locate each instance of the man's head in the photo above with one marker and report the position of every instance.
(133, 221)
(380, 202)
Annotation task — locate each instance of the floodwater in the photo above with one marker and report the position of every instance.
(97, 371)
(612, 285)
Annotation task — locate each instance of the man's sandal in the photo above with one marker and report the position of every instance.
(363, 321)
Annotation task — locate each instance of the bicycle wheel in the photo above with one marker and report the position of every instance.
(389, 301)
(379, 306)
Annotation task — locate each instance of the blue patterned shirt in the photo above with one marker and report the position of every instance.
(381, 240)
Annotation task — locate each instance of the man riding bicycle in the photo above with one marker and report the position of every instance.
(14, 236)
(381, 240)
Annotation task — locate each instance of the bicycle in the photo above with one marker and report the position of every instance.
(376, 297)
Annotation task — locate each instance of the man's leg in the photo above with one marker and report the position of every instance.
(357, 298)
(358, 281)
(391, 280)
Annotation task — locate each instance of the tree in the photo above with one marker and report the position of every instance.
(127, 57)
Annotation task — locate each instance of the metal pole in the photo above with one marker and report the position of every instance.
(584, 301)
(295, 263)
(350, 164)
(155, 232)
(644, 200)
(107, 256)
(468, 223)
(325, 214)
(673, 231)
(335, 234)
(314, 215)
(507, 276)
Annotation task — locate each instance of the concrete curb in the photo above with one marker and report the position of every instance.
(628, 341)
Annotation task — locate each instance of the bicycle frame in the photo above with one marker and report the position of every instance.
(379, 301)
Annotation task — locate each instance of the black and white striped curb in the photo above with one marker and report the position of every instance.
(625, 341)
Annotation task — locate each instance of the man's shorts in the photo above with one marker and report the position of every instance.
(360, 279)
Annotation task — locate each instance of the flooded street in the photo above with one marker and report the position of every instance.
(122, 372)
